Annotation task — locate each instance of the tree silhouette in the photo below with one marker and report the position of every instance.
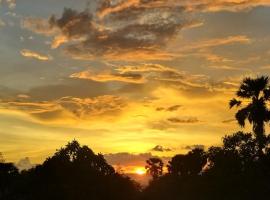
(253, 96)
(154, 167)
(8, 175)
(76, 172)
(189, 164)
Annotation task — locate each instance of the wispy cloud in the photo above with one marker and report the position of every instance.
(242, 39)
(141, 74)
(31, 54)
(68, 107)
(154, 73)
(169, 109)
(107, 77)
(196, 146)
(160, 148)
(190, 120)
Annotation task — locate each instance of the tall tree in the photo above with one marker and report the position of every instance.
(186, 165)
(154, 167)
(253, 96)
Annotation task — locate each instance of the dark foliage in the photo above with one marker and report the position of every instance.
(154, 167)
(232, 171)
(74, 172)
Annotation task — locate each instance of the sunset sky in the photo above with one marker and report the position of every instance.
(128, 78)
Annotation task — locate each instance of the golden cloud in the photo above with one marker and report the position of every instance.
(32, 54)
(69, 107)
(159, 74)
(132, 74)
(106, 77)
(110, 7)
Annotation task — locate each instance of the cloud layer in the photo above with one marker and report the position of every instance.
(69, 107)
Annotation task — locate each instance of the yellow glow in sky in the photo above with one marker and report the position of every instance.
(140, 171)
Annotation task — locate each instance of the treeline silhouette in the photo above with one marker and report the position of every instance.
(238, 169)
(73, 172)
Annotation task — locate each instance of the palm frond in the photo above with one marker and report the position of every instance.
(261, 82)
(242, 115)
(266, 94)
(252, 87)
(235, 102)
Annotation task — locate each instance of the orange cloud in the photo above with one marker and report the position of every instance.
(109, 7)
(32, 54)
(106, 77)
(161, 75)
(242, 39)
(119, 7)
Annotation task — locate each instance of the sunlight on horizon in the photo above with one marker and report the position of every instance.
(140, 171)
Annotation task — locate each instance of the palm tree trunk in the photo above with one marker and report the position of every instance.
(259, 132)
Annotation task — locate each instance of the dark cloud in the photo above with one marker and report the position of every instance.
(228, 121)
(129, 159)
(160, 148)
(196, 146)
(174, 108)
(172, 123)
(126, 158)
(169, 109)
(190, 120)
(143, 29)
(70, 87)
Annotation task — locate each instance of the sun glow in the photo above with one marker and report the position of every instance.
(140, 171)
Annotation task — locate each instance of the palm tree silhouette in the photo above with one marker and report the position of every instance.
(254, 94)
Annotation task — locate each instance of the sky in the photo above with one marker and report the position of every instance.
(129, 78)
